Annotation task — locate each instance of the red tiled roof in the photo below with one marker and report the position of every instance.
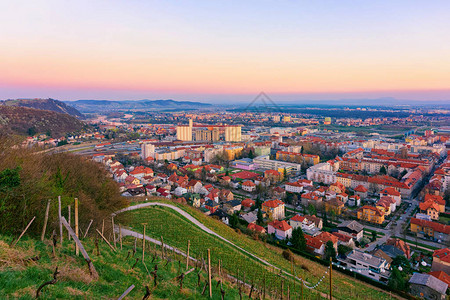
(254, 227)
(435, 198)
(433, 225)
(280, 225)
(342, 237)
(297, 218)
(248, 202)
(273, 203)
(313, 242)
(326, 236)
(248, 183)
(442, 254)
(360, 188)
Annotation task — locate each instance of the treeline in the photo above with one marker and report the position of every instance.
(28, 179)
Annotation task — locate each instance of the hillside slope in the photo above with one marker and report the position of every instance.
(30, 263)
(177, 230)
(45, 104)
(21, 119)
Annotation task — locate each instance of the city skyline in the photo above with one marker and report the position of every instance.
(225, 52)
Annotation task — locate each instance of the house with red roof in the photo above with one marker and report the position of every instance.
(274, 209)
(344, 239)
(436, 199)
(308, 226)
(249, 186)
(324, 237)
(293, 187)
(273, 175)
(430, 208)
(311, 198)
(441, 260)
(393, 193)
(248, 203)
(361, 191)
(281, 229)
(438, 231)
(256, 228)
(314, 245)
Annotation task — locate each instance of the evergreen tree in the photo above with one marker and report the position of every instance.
(260, 219)
(397, 281)
(250, 154)
(298, 239)
(330, 252)
(383, 170)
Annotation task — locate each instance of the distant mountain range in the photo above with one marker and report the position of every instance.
(44, 104)
(90, 106)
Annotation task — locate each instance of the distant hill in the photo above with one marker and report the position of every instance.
(89, 106)
(23, 120)
(44, 104)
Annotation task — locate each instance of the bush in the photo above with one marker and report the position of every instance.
(288, 255)
(30, 179)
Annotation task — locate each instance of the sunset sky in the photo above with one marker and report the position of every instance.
(224, 50)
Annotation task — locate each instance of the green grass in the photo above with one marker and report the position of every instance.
(176, 231)
(20, 280)
(445, 219)
(370, 231)
(413, 244)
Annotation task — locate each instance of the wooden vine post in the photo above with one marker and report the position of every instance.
(83, 251)
(47, 210)
(60, 222)
(68, 219)
(77, 250)
(114, 232)
(209, 273)
(23, 232)
(187, 255)
(120, 236)
(331, 280)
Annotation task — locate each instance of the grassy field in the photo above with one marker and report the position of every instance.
(176, 231)
(20, 278)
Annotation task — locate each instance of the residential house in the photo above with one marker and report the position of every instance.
(438, 231)
(354, 200)
(338, 187)
(256, 228)
(441, 260)
(250, 217)
(426, 286)
(317, 221)
(180, 191)
(225, 180)
(361, 191)
(334, 205)
(326, 237)
(430, 208)
(442, 276)
(274, 209)
(374, 267)
(293, 187)
(278, 192)
(314, 245)
(249, 186)
(393, 193)
(352, 228)
(232, 206)
(226, 195)
(151, 189)
(307, 226)
(387, 204)
(342, 197)
(213, 196)
(370, 214)
(247, 203)
(311, 198)
(281, 229)
(194, 186)
(211, 206)
(344, 239)
(436, 199)
(273, 175)
(401, 245)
